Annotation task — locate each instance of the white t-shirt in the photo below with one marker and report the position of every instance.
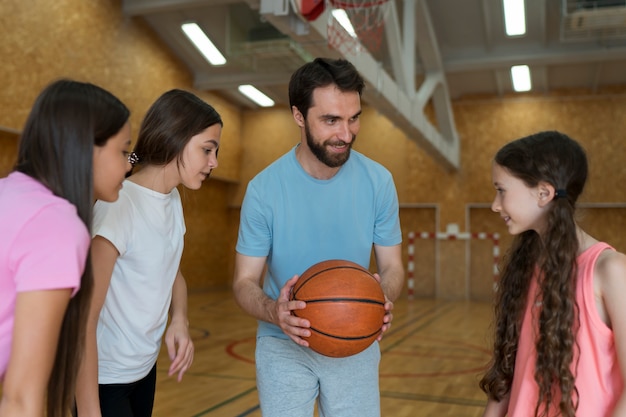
(148, 229)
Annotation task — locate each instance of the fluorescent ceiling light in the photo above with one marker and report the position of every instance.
(203, 43)
(514, 17)
(341, 16)
(520, 74)
(255, 95)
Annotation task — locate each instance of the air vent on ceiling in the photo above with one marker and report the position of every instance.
(593, 19)
(597, 4)
(598, 18)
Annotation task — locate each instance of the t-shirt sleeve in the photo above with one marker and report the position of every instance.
(50, 251)
(113, 222)
(387, 230)
(254, 237)
(177, 201)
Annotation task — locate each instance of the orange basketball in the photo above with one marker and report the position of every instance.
(344, 304)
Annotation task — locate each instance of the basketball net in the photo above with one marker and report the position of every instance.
(367, 18)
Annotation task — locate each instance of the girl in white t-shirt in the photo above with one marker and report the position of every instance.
(74, 148)
(136, 250)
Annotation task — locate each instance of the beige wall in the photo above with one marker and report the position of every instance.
(93, 41)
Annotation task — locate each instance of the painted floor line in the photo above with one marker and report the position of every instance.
(433, 315)
(416, 318)
(164, 371)
(433, 399)
(250, 411)
(225, 402)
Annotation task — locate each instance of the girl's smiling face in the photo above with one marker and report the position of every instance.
(522, 207)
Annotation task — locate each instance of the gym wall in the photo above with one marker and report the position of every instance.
(93, 41)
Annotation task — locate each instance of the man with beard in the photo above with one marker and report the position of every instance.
(319, 201)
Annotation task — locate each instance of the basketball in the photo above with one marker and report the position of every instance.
(345, 306)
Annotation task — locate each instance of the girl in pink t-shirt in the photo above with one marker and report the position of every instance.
(72, 151)
(560, 316)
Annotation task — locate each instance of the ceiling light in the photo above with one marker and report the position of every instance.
(514, 17)
(520, 74)
(203, 43)
(341, 16)
(255, 95)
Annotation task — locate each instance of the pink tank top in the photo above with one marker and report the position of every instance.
(598, 378)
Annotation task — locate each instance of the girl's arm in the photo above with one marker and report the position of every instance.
(177, 339)
(38, 318)
(103, 258)
(496, 409)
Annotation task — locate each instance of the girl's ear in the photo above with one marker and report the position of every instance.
(546, 193)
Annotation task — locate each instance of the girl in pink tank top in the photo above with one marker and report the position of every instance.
(560, 321)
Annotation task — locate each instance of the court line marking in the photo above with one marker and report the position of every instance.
(434, 399)
(427, 318)
(225, 402)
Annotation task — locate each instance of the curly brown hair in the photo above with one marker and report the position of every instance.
(556, 159)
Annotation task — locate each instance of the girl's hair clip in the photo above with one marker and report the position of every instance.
(133, 158)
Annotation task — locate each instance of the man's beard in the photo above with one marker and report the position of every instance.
(333, 160)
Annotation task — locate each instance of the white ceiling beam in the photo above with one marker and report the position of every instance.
(408, 44)
(144, 7)
(426, 39)
(543, 22)
(386, 95)
(401, 48)
(205, 81)
(487, 25)
(435, 79)
(551, 57)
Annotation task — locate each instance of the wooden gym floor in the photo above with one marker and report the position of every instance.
(432, 359)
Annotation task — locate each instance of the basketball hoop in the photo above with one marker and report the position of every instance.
(367, 18)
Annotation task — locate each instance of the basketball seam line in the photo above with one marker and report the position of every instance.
(332, 268)
(338, 300)
(345, 337)
(342, 267)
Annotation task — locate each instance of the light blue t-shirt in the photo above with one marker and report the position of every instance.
(297, 220)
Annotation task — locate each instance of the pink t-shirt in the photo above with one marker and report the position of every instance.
(43, 245)
(598, 378)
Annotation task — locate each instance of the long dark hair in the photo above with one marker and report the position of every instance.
(556, 159)
(56, 148)
(170, 123)
(322, 72)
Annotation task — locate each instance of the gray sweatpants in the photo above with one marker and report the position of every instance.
(291, 377)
